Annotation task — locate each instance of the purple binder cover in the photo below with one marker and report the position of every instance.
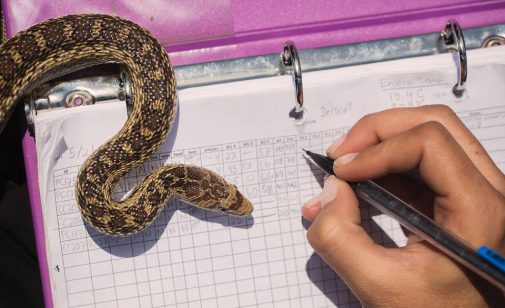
(197, 31)
(202, 31)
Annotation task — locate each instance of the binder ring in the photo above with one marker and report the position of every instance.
(289, 58)
(453, 38)
(493, 40)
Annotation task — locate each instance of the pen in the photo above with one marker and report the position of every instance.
(483, 261)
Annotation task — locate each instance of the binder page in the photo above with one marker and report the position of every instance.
(190, 257)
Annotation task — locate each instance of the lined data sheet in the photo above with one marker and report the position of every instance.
(190, 257)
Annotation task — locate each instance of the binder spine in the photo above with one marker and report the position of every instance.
(334, 56)
(291, 61)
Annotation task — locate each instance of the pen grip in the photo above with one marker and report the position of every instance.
(425, 227)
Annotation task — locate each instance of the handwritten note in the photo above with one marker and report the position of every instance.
(190, 257)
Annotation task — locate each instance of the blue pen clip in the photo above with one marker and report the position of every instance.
(492, 257)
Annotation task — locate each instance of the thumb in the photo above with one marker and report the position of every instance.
(337, 236)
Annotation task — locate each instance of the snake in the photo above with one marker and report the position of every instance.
(63, 45)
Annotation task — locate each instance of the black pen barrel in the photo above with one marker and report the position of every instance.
(425, 227)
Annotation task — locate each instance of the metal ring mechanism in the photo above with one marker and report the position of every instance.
(493, 40)
(125, 90)
(453, 38)
(86, 87)
(290, 64)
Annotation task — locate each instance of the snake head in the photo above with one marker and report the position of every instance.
(235, 204)
(206, 189)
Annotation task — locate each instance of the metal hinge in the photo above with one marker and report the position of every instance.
(91, 86)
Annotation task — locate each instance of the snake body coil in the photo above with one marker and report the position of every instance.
(67, 44)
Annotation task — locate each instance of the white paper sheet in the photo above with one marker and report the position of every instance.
(194, 258)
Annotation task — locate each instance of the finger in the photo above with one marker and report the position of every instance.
(377, 127)
(337, 236)
(311, 208)
(429, 147)
(446, 169)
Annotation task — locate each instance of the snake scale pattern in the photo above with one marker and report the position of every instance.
(63, 45)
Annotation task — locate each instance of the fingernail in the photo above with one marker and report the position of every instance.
(336, 144)
(313, 202)
(330, 191)
(345, 159)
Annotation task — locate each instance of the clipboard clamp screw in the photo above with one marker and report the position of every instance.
(78, 98)
(455, 41)
(290, 64)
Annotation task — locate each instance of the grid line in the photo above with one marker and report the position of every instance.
(278, 191)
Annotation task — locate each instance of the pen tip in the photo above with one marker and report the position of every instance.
(304, 150)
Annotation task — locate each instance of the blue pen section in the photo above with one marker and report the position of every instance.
(492, 257)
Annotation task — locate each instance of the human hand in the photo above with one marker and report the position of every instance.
(461, 188)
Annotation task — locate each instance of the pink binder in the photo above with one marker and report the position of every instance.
(202, 31)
